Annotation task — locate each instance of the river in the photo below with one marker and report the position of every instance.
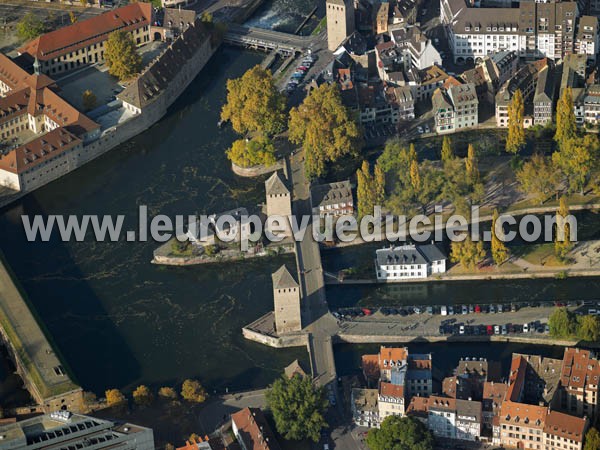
(120, 321)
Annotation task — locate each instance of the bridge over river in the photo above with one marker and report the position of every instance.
(267, 40)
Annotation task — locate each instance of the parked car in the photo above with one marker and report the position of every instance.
(429, 310)
(525, 328)
(477, 308)
(444, 311)
(500, 308)
(504, 329)
(496, 329)
(490, 330)
(492, 309)
(462, 329)
(450, 310)
(420, 130)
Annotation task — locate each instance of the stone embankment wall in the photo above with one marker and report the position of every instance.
(256, 171)
(291, 340)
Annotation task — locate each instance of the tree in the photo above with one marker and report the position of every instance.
(415, 177)
(193, 391)
(562, 323)
(253, 152)
(516, 130)
(88, 100)
(72, 17)
(206, 17)
(379, 188)
(499, 250)
(142, 396)
(562, 238)
(121, 56)
(167, 393)
(115, 397)
(298, 408)
(588, 328)
(30, 27)
(467, 252)
(365, 192)
(576, 160)
(538, 177)
(592, 439)
(254, 104)
(566, 127)
(471, 165)
(447, 152)
(83, 2)
(324, 127)
(400, 433)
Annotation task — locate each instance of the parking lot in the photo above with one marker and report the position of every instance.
(472, 320)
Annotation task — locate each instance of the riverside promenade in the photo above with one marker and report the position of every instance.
(37, 362)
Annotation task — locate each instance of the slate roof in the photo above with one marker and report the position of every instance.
(544, 90)
(275, 186)
(283, 279)
(331, 193)
(409, 254)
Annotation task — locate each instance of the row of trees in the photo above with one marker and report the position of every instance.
(370, 188)
(413, 185)
(566, 324)
(322, 125)
(575, 163)
(191, 390)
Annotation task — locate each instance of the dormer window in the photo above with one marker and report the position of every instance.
(476, 28)
(468, 28)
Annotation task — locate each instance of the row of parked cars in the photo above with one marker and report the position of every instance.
(300, 72)
(490, 330)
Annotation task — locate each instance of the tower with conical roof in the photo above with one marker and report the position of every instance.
(279, 201)
(286, 295)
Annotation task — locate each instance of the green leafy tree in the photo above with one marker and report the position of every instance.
(121, 55)
(365, 192)
(467, 252)
(566, 128)
(142, 396)
(167, 393)
(588, 328)
(562, 323)
(471, 165)
(254, 104)
(577, 159)
(253, 152)
(325, 128)
(447, 151)
(400, 433)
(499, 250)
(515, 139)
(298, 408)
(562, 238)
(30, 27)
(88, 100)
(538, 177)
(192, 391)
(592, 439)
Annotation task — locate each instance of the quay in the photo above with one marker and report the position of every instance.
(37, 362)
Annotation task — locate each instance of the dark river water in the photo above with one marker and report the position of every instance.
(119, 320)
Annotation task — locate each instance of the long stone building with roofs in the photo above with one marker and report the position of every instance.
(83, 42)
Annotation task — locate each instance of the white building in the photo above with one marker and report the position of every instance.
(409, 262)
(62, 430)
(455, 108)
(468, 420)
(586, 42)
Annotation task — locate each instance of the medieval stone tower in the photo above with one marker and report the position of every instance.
(279, 200)
(286, 295)
(340, 21)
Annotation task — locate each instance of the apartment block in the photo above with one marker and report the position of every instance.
(455, 108)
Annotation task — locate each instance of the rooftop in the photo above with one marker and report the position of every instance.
(254, 430)
(283, 279)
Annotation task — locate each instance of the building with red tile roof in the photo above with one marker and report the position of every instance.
(564, 432)
(55, 130)
(391, 400)
(579, 380)
(252, 430)
(83, 42)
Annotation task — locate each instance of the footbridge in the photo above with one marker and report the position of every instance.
(266, 40)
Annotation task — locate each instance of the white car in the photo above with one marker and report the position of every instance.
(420, 130)
(465, 309)
(525, 328)
(444, 311)
(427, 130)
(496, 329)
(462, 329)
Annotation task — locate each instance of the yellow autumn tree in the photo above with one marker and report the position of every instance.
(516, 130)
(115, 397)
(142, 396)
(471, 165)
(121, 55)
(325, 128)
(499, 249)
(562, 238)
(192, 391)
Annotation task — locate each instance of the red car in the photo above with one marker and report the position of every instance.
(490, 330)
(477, 308)
(367, 311)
